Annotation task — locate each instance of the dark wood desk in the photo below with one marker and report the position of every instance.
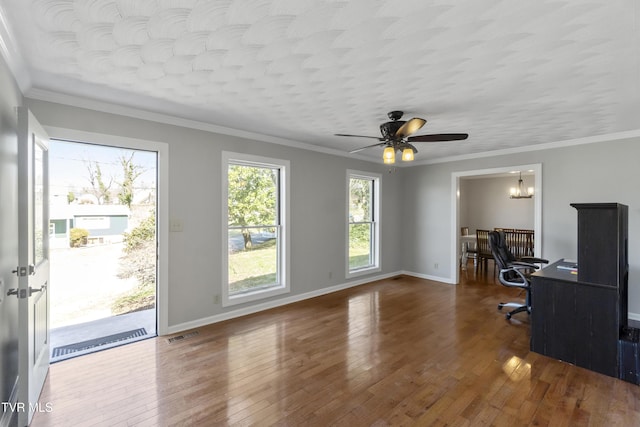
(577, 322)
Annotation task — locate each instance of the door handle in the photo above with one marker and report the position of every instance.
(23, 271)
(23, 294)
(32, 290)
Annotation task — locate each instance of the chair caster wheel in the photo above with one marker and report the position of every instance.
(508, 316)
(499, 306)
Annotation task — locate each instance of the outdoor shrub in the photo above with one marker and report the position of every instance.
(359, 233)
(139, 262)
(145, 232)
(78, 237)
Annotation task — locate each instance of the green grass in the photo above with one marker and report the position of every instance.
(142, 298)
(359, 245)
(358, 255)
(254, 268)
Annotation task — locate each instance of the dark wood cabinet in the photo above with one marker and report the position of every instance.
(577, 317)
(602, 248)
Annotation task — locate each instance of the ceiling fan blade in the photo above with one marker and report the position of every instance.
(358, 136)
(410, 127)
(380, 144)
(439, 137)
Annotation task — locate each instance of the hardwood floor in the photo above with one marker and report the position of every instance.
(401, 351)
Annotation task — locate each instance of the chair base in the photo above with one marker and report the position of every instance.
(519, 308)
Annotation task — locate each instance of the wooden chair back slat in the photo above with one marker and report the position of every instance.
(520, 242)
(482, 244)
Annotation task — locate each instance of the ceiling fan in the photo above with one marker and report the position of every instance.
(396, 136)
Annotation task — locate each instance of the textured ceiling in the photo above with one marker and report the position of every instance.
(509, 73)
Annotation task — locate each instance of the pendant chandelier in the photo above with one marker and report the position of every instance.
(519, 192)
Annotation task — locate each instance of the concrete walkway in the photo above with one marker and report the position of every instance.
(85, 283)
(84, 286)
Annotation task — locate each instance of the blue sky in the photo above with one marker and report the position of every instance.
(68, 166)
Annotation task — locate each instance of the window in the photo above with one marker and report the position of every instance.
(255, 212)
(363, 191)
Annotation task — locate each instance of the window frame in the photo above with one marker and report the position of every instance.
(375, 221)
(282, 214)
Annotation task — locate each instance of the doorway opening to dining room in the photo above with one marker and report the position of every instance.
(482, 199)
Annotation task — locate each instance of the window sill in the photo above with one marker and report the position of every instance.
(363, 271)
(254, 296)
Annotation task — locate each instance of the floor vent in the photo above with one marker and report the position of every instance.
(182, 337)
(97, 342)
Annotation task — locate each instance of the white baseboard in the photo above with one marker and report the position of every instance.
(429, 277)
(295, 298)
(275, 303)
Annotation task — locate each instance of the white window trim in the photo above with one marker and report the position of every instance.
(377, 178)
(284, 255)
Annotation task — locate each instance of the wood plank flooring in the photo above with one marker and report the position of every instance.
(395, 352)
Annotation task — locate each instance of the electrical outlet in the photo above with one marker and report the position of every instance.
(216, 299)
(175, 225)
(331, 275)
(435, 265)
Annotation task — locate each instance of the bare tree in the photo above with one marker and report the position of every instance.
(98, 186)
(130, 172)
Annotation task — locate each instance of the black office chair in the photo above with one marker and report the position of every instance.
(513, 272)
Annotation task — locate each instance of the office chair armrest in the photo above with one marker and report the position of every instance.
(516, 269)
(534, 260)
(523, 265)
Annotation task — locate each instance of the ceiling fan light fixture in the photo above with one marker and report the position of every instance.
(389, 155)
(396, 136)
(407, 154)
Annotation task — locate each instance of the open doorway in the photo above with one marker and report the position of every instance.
(534, 177)
(103, 209)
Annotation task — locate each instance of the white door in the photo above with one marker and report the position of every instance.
(33, 271)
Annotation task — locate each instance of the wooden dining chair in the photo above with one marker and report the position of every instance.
(484, 251)
(520, 242)
(469, 250)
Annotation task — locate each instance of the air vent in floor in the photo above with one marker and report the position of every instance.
(97, 342)
(182, 337)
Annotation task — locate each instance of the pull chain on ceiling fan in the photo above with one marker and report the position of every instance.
(396, 136)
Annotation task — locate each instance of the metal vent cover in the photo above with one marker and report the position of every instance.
(182, 337)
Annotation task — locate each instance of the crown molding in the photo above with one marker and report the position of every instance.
(111, 108)
(610, 137)
(11, 53)
(107, 107)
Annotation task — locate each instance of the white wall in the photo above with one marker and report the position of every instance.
(485, 203)
(317, 208)
(598, 172)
